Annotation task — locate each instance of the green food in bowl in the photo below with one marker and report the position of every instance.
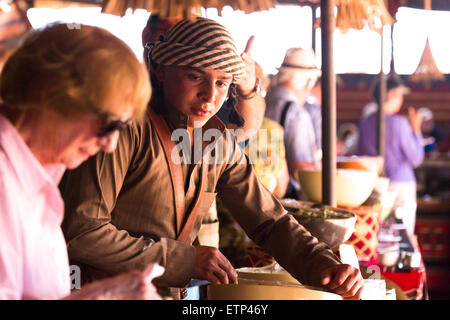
(321, 213)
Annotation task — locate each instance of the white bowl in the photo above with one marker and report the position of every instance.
(266, 274)
(353, 187)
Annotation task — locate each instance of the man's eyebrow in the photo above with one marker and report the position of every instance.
(225, 77)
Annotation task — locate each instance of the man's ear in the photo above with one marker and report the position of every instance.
(159, 73)
(310, 84)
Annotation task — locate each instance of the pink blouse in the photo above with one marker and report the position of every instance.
(33, 254)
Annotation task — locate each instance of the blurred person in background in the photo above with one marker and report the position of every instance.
(65, 96)
(347, 139)
(403, 147)
(285, 102)
(433, 138)
(313, 105)
(267, 155)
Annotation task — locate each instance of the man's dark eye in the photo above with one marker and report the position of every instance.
(194, 77)
(222, 84)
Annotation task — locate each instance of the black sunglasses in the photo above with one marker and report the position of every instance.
(111, 125)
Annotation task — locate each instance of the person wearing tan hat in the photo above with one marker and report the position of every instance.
(285, 104)
(148, 198)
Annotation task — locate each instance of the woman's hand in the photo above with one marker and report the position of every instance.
(134, 285)
(415, 118)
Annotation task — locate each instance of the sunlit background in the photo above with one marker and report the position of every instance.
(287, 26)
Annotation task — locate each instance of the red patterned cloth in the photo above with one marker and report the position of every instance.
(411, 282)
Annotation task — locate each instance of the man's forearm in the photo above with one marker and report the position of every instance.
(115, 251)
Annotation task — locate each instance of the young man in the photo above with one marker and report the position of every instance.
(149, 197)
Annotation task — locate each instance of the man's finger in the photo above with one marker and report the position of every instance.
(347, 286)
(356, 296)
(249, 45)
(339, 278)
(326, 280)
(212, 277)
(222, 276)
(229, 270)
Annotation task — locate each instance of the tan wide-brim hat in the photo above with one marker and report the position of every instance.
(300, 60)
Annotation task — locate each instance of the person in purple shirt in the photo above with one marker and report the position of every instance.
(403, 147)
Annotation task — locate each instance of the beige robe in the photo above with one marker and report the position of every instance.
(120, 212)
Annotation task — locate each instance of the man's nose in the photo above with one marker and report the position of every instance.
(208, 93)
(109, 142)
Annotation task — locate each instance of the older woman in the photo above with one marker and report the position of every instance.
(65, 96)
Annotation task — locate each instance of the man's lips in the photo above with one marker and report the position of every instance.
(200, 111)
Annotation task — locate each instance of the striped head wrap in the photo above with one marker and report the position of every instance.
(199, 43)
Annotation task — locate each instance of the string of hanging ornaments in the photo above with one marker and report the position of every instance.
(184, 8)
(357, 14)
(427, 70)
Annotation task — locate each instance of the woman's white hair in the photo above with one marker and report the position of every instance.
(299, 78)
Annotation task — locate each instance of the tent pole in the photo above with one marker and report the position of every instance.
(380, 112)
(328, 104)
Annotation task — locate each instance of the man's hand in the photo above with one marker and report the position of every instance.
(211, 265)
(344, 280)
(247, 83)
(415, 118)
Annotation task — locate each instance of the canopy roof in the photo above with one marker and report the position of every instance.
(435, 4)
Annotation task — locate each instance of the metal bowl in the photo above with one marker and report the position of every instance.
(333, 230)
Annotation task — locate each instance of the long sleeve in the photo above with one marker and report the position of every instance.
(95, 202)
(299, 135)
(411, 143)
(11, 247)
(267, 223)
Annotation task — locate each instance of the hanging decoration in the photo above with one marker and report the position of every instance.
(356, 14)
(184, 8)
(427, 70)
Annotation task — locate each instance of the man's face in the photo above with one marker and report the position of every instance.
(197, 93)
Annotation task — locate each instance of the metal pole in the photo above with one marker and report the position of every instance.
(313, 21)
(381, 97)
(328, 104)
